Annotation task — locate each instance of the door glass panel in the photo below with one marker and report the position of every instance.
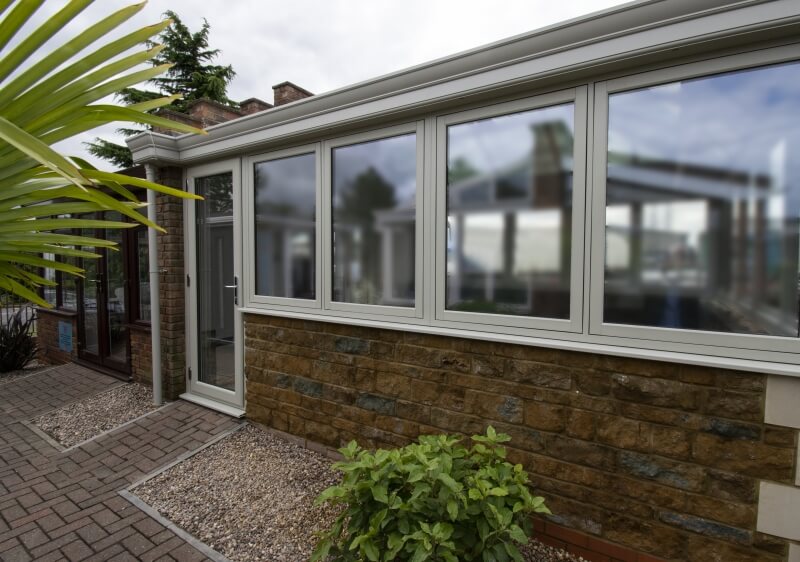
(703, 200)
(143, 271)
(91, 282)
(115, 290)
(215, 279)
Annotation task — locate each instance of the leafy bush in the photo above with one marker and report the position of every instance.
(434, 500)
(17, 344)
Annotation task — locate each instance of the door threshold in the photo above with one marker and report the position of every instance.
(213, 405)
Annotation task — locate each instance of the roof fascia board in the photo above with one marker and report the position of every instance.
(650, 35)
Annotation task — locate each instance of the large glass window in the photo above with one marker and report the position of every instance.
(374, 191)
(509, 213)
(285, 220)
(702, 204)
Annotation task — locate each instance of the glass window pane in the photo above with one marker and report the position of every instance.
(374, 221)
(703, 194)
(143, 267)
(509, 213)
(69, 287)
(68, 284)
(285, 199)
(49, 291)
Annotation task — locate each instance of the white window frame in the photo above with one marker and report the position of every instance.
(578, 98)
(372, 310)
(674, 338)
(251, 297)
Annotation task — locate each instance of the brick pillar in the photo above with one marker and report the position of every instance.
(172, 280)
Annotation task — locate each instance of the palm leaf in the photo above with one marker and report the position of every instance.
(42, 191)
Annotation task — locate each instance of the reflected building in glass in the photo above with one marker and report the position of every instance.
(509, 214)
(702, 204)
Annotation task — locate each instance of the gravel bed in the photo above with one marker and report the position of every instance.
(96, 414)
(535, 551)
(32, 368)
(250, 497)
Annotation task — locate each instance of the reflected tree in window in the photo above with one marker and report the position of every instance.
(374, 222)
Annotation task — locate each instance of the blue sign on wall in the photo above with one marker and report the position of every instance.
(65, 336)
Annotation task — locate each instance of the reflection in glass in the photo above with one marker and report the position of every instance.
(91, 293)
(68, 284)
(215, 301)
(509, 213)
(374, 221)
(115, 295)
(285, 199)
(69, 287)
(49, 292)
(703, 194)
(143, 270)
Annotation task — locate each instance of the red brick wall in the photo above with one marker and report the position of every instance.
(286, 92)
(47, 336)
(210, 113)
(141, 354)
(172, 282)
(654, 457)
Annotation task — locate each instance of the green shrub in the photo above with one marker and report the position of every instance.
(17, 344)
(434, 500)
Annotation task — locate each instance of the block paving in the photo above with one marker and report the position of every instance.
(65, 505)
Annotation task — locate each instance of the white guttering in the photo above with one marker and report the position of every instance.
(155, 303)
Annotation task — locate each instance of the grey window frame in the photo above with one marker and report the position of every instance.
(716, 342)
(388, 311)
(578, 96)
(251, 297)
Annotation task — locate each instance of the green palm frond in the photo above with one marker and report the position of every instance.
(52, 99)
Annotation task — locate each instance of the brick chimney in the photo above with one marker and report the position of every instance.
(176, 116)
(253, 105)
(210, 112)
(286, 92)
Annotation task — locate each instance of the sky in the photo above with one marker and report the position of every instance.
(323, 45)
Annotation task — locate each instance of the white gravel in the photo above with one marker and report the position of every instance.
(96, 414)
(250, 497)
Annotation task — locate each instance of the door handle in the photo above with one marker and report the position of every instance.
(235, 288)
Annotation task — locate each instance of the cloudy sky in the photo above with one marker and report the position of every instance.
(326, 44)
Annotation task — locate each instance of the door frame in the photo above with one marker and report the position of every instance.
(197, 391)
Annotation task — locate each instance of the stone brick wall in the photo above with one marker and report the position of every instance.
(47, 336)
(172, 282)
(660, 458)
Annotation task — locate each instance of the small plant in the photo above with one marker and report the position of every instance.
(434, 500)
(17, 344)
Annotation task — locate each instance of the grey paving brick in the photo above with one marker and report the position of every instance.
(64, 505)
